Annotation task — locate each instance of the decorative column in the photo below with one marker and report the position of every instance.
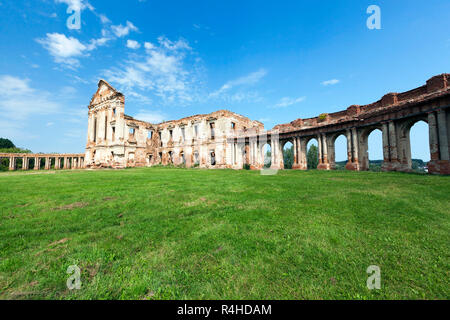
(439, 147)
(47, 163)
(350, 163)
(433, 136)
(355, 148)
(319, 142)
(24, 163)
(295, 164)
(393, 150)
(324, 164)
(37, 163)
(302, 152)
(386, 165)
(12, 163)
(443, 135)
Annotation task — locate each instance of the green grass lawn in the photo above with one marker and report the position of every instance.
(161, 233)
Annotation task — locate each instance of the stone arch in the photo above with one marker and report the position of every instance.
(287, 163)
(404, 140)
(266, 147)
(364, 145)
(332, 147)
(307, 146)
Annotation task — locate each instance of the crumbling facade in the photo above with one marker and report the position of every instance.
(116, 140)
(394, 115)
(224, 139)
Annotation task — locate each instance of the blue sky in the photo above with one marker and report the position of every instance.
(272, 61)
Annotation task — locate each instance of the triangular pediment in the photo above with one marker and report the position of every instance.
(104, 92)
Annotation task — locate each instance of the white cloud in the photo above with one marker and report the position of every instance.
(94, 43)
(162, 71)
(67, 50)
(18, 100)
(287, 101)
(330, 82)
(121, 31)
(104, 19)
(180, 44)
(63, 49)
(149, 45)
(132, 44)
(247, 80)
(150, 116)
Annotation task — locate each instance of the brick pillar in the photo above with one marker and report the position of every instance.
(47, 166)
(393, 150)
(350, 165)
(443, 138)
(439, 139)
(387, 164)
(324, 164)
(433, 136)
(296, 164)
(303, 151)
(12, 163)
(319, 145)
(37, 163)
(24, 163)
(355, 148)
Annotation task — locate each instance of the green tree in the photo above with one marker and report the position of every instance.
(288, 157)
(6, 146)
(267, 159)
(313, 157)
(6, 143)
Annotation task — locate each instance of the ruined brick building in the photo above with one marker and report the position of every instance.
(224, 139)
(118, 140)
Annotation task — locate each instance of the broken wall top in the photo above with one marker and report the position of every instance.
(436, 86)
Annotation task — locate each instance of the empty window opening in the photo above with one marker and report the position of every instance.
(374, 151)
(95, 129)
(196, 130)
(213, 158)
(288, 155)
(183, 133)
(211, 125)
(196, 160)
(106, 127)
(150, 134)
(312, 155)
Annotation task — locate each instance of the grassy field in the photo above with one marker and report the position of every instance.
(161, 233)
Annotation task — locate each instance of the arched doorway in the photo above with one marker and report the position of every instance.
(312, 155)
(374, 152)
(420, 146)
(337, 154)
(288, 155)
(267, 152)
